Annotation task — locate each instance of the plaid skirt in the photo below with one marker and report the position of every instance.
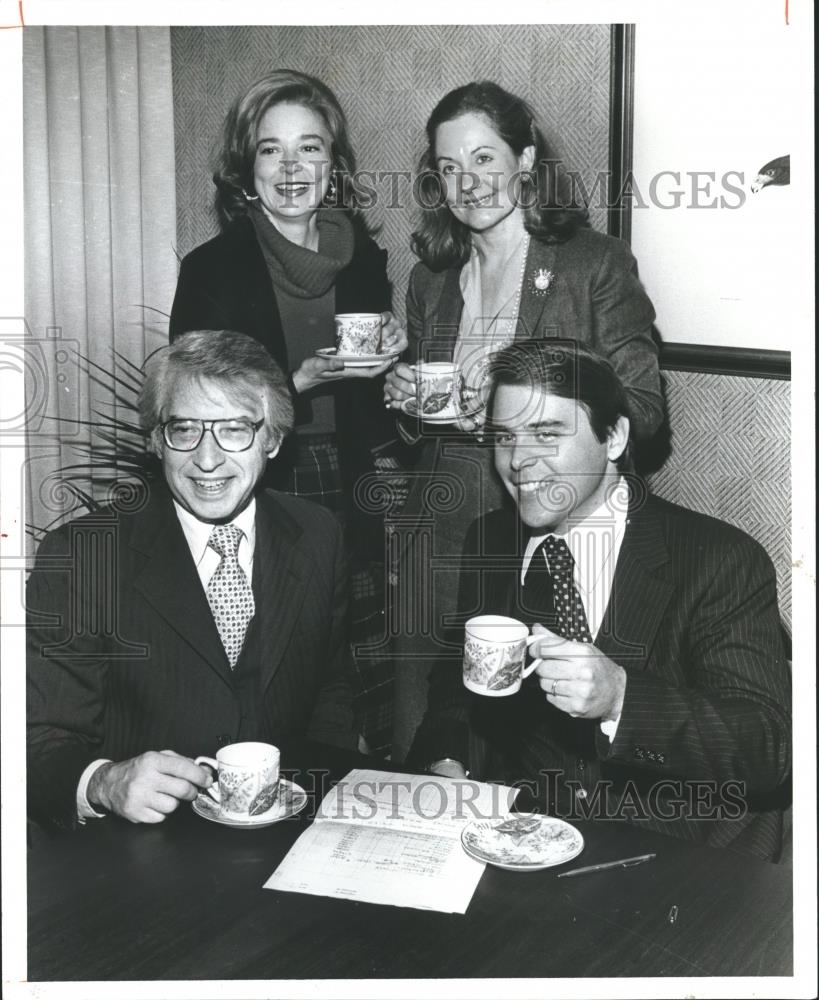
(314, 472)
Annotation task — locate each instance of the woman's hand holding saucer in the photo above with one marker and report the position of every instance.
(471, 423)
(393, 335)
(314, 371)
(474, 419)
(399, 386)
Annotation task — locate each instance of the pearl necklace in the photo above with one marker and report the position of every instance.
(512, 323)
(480, 369)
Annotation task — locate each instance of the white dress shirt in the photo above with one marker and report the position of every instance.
(594, 544)
(206, 559)
(197, 535)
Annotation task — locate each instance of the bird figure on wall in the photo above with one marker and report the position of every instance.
(777, 172)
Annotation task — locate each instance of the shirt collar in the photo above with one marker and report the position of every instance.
(197, 533)
(595, 527)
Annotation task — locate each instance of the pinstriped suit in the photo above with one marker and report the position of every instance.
(135, 661)
(693, 619)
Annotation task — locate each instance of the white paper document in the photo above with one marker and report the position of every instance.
(382, 837)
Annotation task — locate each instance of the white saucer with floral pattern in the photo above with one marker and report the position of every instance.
(525, 842)
(449, 415)
(356, 360)
(292, 799)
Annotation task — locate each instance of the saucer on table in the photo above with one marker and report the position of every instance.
(292, 799)
(522, 842)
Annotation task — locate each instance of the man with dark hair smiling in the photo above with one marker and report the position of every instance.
(662, 692)
(214, 614)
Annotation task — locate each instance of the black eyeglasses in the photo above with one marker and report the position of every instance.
(231, 435)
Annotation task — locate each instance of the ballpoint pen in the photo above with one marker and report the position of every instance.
(621, 863)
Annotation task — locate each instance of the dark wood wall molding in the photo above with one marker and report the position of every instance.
(621, 128)
(745, 361)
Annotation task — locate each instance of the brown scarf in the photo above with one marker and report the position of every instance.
(304, 273)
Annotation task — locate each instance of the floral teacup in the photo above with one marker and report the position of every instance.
(248, 779)
(358, 333)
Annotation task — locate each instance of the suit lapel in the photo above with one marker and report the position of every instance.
(281, 573)
(640, 591)
(170, 583)
(503, 546)
(442, 332)
(446, 319)
(541, 256)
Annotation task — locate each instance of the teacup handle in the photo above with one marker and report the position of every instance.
(213, 790)
(533, 665)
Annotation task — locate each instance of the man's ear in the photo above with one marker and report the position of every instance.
(273, 450)
(155, 442)
(617, 440)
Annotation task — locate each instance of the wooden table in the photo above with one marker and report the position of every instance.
(184, 900)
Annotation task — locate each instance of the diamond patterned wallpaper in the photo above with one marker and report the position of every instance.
(388, 78)
(730, 458)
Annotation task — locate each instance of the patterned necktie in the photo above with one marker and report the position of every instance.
(571, 616)
(229, 594)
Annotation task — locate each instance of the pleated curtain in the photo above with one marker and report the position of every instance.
(100, 226)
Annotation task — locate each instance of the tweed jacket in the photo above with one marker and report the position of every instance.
(594, 297)
(693, 619)
(124, 655)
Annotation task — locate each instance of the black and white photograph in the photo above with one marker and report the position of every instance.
(408, 510)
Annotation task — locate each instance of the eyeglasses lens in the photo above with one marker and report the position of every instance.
(231, 435)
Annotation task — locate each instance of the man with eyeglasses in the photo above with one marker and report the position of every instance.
(214, 614)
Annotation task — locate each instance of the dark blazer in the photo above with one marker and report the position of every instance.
(124, 655)
(693, 619)
(225, 284)
(595, 297)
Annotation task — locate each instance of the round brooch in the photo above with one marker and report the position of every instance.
(542, 280)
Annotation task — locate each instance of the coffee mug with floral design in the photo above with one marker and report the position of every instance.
(495, 655)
